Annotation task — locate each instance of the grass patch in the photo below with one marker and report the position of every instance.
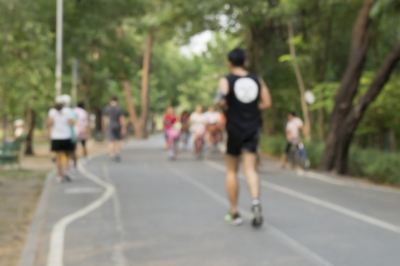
(375, 165)
(19, 193)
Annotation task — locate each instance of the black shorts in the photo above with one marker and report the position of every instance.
(83, 142)
(288, 147)
(114, 134)
(242, 141)
(62, 145)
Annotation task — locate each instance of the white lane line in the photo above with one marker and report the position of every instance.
(56, 252)
(118, 256)
(82, 190)
(293, 244)
(322, 203)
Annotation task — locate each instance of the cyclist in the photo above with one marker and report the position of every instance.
(169, 120)
(198, 128)
(293, 127)
(212, 119)
(185, 133)
(244, 96)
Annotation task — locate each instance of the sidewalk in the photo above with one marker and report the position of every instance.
(19, 193)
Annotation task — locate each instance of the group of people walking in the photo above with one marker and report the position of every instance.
(70, 127)
(205, 127)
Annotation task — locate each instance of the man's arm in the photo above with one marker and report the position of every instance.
(104, 123)
(123, 125)
(288, 136)
(265, 96)
(223, 87)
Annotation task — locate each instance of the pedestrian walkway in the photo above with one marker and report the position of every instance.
(172, 213)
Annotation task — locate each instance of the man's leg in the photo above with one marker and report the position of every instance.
(249, 154)
(70, 156)
(111, 151)
(74, 156)
(232, 184)
(249, 169)
(285, 154)
(283, 159)
(117, 147)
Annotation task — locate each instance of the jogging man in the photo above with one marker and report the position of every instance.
(245, 95)
(115, 126)
(293, 137)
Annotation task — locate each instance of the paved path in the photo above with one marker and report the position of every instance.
(171, 213)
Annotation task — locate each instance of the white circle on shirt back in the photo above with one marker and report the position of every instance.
(246, 90)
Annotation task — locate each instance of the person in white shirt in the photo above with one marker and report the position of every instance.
(198, 125)
(59, 122)
(294, 126)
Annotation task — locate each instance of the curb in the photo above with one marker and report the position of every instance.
(29, 252)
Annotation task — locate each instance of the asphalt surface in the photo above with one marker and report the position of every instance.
(171, 213)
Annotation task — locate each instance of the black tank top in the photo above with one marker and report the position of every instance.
(243, 98)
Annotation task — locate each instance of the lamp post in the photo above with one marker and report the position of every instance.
(75, 75)
(59, 46)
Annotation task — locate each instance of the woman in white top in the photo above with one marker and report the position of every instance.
(60, 121)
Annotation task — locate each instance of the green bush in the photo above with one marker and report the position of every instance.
(375, 165)
(273, 145)
(315, 150)
(372, 164)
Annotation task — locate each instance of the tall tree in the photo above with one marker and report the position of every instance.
(346, 114)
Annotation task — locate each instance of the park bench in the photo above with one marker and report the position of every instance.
(10, 153)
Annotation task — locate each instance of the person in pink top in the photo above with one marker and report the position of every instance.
(82, 128)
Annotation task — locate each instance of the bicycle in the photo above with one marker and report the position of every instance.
(299, 156)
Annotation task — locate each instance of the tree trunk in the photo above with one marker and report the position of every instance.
(347, 89)
(300, 81)
(142, 132)
(31, 128)
(339, 140)
(131, 107)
